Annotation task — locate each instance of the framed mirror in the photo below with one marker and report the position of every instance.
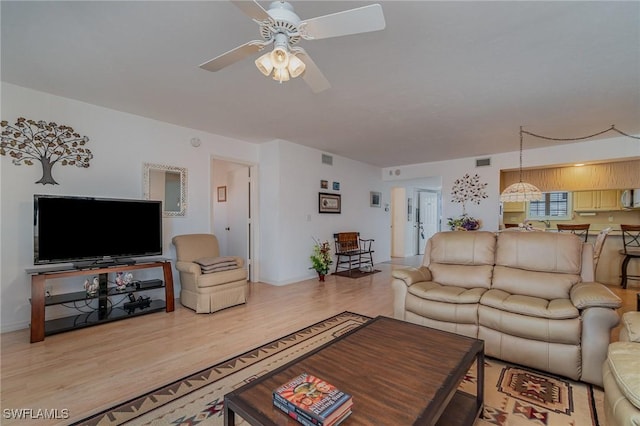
(168, 184)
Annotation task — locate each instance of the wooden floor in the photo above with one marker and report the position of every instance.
(88, 370)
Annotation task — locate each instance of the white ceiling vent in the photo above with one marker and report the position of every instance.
(327, 159)
(483, 162)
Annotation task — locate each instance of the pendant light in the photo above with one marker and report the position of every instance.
(521, 191)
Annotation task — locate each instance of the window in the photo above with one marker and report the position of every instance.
(553, 206)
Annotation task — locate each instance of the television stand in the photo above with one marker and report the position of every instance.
(104, 263)
(40, 327)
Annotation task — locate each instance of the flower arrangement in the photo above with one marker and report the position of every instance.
(463, 223)
(321, 257)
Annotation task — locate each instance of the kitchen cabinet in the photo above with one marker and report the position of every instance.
(603, 200)
(513, 207)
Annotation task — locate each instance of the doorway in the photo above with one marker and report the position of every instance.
(415, 218)
(232, 217)
(427, 217)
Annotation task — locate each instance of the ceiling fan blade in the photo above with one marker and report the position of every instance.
(234, 55)
(312, 74)
(252, 9)
(354, 21)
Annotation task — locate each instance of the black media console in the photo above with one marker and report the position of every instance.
(105, 311)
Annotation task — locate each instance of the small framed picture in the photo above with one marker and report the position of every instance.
(336, 186)
(222, 194)
(375, 199)
(324, 184)
(329, 203)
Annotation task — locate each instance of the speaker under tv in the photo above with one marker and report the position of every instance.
(87, 231)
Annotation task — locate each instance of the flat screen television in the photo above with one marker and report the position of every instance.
(90, 230)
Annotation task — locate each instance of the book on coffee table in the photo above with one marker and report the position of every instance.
(312, 401)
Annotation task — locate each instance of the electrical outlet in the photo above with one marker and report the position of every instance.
(610, 218)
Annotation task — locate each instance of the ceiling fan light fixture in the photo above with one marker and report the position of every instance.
(296, 66)
(281, 74)
(264, 64)
(280, 58)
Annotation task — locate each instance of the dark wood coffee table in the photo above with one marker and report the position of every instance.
(398, 373)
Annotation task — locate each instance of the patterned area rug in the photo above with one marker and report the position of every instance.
(514, 395)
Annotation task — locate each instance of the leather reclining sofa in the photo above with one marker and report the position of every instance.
(530, 296)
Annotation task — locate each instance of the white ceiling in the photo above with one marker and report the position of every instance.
(444, 80)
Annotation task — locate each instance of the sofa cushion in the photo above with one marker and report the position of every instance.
(540, 251)
(209, 265)
(463, 248)
(624, 362)
(467, 276)
(223, 277)
(545, 285)
(213, 261)
(450, 294)
(552, 331)
(443, 312)
(530, 306)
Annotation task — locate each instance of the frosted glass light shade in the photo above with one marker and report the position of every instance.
(521, 191)
(296, 66)
(279, 58)
(281, 75)
(264, 64)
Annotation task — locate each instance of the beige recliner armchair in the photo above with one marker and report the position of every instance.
(622, 375)
(208, 281)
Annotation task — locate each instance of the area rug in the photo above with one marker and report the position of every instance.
(514, 395)
(355, 273)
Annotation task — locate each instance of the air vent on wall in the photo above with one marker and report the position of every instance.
(327, 159)
(483, 162)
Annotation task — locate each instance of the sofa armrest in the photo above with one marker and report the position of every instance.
(188, 267)
(592, 294)
(412, 275)
(630, 327)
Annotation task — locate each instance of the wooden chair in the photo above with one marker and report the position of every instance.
(353, 251)
(630, 250)
(597, 247)
(581, 230)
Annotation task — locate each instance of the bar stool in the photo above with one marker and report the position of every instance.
(631, 250)
(581, 230)
(597, 247)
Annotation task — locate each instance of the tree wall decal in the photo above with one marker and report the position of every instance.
(468, 188)
(28, 141)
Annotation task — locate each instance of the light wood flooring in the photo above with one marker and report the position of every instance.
(88, 370)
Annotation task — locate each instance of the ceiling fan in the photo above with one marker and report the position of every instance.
(282, 28)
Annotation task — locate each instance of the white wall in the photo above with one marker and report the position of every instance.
(120, 143)
(290, 178)
(288, 186)
(488, 211)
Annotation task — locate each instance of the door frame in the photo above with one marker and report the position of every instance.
(438, 194)
(253, 233)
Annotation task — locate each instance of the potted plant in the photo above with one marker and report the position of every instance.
(321, 258)
(463, 223)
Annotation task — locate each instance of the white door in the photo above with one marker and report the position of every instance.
(238, 216)
(427, 217)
